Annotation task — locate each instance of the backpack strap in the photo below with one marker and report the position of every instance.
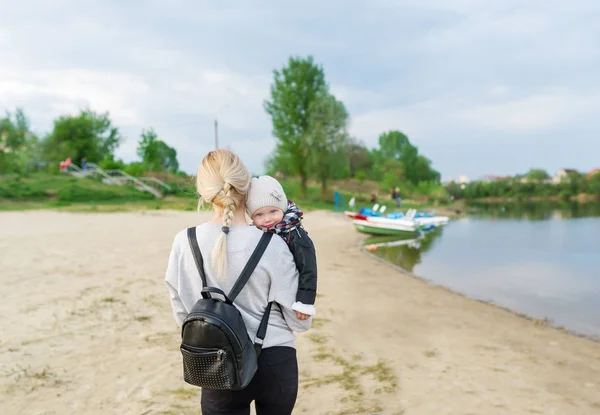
(250, 265)
(191, 234)
(241, 281)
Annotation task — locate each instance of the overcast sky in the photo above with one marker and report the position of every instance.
(481, 87)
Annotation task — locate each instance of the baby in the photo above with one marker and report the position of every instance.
(271, 211)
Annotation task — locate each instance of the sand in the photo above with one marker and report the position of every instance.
(86, 328)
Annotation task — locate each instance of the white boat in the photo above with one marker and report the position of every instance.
(406, 228)
(421, 219)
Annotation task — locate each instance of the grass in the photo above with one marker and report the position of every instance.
(68, 193)
(185, 393)
(26, 379)
(143, 318)
(319, 322)
(348, 375)
(317, 338)
(430, 353)
(163, 339)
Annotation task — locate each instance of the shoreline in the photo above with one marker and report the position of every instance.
(88, 328)
(546, 322)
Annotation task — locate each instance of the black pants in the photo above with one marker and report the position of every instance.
(274, 388)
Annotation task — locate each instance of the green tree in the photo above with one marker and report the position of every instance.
(18, 145)
(396, 145)
(156, 155)
(537, 175)
(359, 157)
(594, 184)
(393, 144)
(109, 162)
(577, 183)
(423, 172)
(327, 137)
(278, 161)
(392, 172)
(88, 134)
(295, 87)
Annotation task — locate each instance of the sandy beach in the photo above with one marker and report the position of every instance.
(87, 328)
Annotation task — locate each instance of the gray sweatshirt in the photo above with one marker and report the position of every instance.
(274, 279)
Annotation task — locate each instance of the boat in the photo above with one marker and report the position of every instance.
(422, 218)
(406, 228)
(376, 214)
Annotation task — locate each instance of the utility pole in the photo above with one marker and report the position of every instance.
(216, 135)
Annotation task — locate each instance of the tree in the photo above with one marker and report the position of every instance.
(111, 163)
(393, 144)
(327, 136)
(18, 146)
(424, 172)
(278, 161)
(359, 157)
(392, 172)
(88, 134)
(295, 87)
(156, 155)
(396, 146)
(594, 184)
(576, 183)
(537, 175)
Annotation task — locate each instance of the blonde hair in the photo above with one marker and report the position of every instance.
(223, 181)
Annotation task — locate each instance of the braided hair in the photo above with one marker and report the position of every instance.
(223, 181)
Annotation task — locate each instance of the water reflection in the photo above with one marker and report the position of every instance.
(535, 210)
(404, 253)
(546, 269)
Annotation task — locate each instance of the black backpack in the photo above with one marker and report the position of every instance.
(217, 351)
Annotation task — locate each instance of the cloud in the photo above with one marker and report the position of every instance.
(542, 112)
(467, 81)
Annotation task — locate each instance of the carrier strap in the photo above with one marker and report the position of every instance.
(262, 329)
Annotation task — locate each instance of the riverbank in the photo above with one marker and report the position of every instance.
(579, 198)
(63, 192)
(88, 328)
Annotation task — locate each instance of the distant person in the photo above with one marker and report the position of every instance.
(271, 211)
(64, 165)
(373, 197)
(226, 243)
(396, 196)
(83, 163)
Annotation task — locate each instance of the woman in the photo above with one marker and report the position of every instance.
(226, 243)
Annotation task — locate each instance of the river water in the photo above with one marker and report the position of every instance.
(541, 260)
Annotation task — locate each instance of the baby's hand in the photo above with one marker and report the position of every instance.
(302, 316)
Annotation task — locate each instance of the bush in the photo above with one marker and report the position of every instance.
(136, 169)
(109, 163)
(76, 193)
(53, 168)
(565, 194)
(361, 175)
(15, 188)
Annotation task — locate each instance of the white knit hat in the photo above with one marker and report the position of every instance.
(265, 191)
